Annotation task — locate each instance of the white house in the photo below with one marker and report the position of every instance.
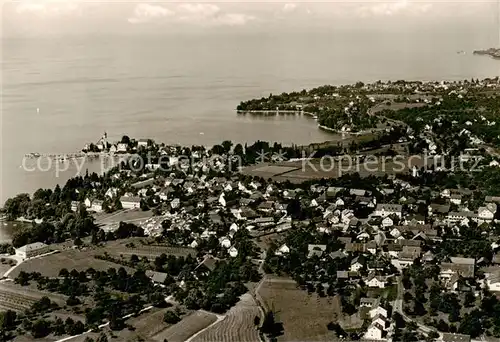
(122, 147)
(456, 199)
(339, 202)
(387, 222)
(395, 233)
(282, 250)
(130, 202)
(493, 282)
(234, 227)
(111, 192)
(88, 203)
(142, 143)
(175, 203)
(384, 210)
(32, 250)
(485, 214)
(75, 205)
(163, 195)
(97, 206)
(222, 200)
(233, 252)
(375, 281)
(356, 265)
(374, 332)
(378, 311)
(225, 242)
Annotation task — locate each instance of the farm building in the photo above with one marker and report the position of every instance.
(130, 202)
(31, 250)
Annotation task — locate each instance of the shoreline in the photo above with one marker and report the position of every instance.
(277, 112)
(77, 155)
(312, 115)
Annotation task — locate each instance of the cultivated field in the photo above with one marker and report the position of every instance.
(304, 317)
(140, 249)
(238, 325)
(328, 168)
(19, 298)
(111, 221)
(186, 328)
(50, 265)
(395, 106)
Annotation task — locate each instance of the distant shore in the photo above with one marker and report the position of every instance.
(492, 52)
(277, 112)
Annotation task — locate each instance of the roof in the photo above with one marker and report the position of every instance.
(345, 239)
(463, 214)
(378, 326)
(342, 274)
(357, 192)
(465, 270)
(209, 262)
(410, 252)
(389, 207)
(130, 199)
(144, 183)
(318, 247)
(455, 337)
(463, 261)
(492, 199)
(157, 277)
(494, 277)
(32, 247)
(440, 208)
(368, 300)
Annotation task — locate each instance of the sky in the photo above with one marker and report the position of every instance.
(46, 17)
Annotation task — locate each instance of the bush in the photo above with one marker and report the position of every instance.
(171, 317)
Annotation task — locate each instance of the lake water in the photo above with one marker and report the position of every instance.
(185, 89)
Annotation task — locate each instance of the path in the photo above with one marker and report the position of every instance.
(398, 307)
(102, 326)
(20, 260)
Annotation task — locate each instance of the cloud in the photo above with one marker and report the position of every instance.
(289, 8)
(203, 14)
(199, 10)
(146, 13)
(47, 9)
(234, 19)
(400, 7)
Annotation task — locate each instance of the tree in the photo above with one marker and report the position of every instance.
(40, 328)
(171, 317)
(72, 301)
(469, 300)
(226, 144)
(125, 140)
(270, 327)
(63, 273)
(102, 338)
(238, 150)
(7, 320)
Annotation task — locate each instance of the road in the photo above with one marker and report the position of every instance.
(398, 307)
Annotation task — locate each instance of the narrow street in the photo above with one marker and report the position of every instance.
(398, 307)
